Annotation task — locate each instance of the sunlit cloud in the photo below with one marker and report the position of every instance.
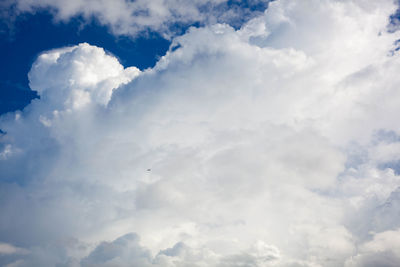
(275, 144)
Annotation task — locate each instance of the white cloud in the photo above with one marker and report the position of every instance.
(10, 249)
(272, 145)
(78, 76)
(133, 17)
(382, 250)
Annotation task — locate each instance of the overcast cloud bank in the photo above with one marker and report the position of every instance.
(273, 145)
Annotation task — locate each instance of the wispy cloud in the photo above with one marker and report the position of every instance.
(134, 17)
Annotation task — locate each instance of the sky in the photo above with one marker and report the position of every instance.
(199, 133)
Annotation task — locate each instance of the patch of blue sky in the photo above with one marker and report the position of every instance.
(235, 12)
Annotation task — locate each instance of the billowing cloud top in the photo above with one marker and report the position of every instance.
(78, 75)
(273, 145)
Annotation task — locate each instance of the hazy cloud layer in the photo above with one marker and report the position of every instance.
(273, 145)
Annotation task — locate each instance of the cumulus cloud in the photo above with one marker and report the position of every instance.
(88, 70)
(272, 145)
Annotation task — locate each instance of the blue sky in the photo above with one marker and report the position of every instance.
(219, 133)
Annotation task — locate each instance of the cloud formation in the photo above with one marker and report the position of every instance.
(273, 145)
(134, 17)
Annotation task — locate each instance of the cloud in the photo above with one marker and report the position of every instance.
(10, 249)
(270, 145)
(134, 17)
(124, 251)
(127, 251)
(88, 71)
(382, 250)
